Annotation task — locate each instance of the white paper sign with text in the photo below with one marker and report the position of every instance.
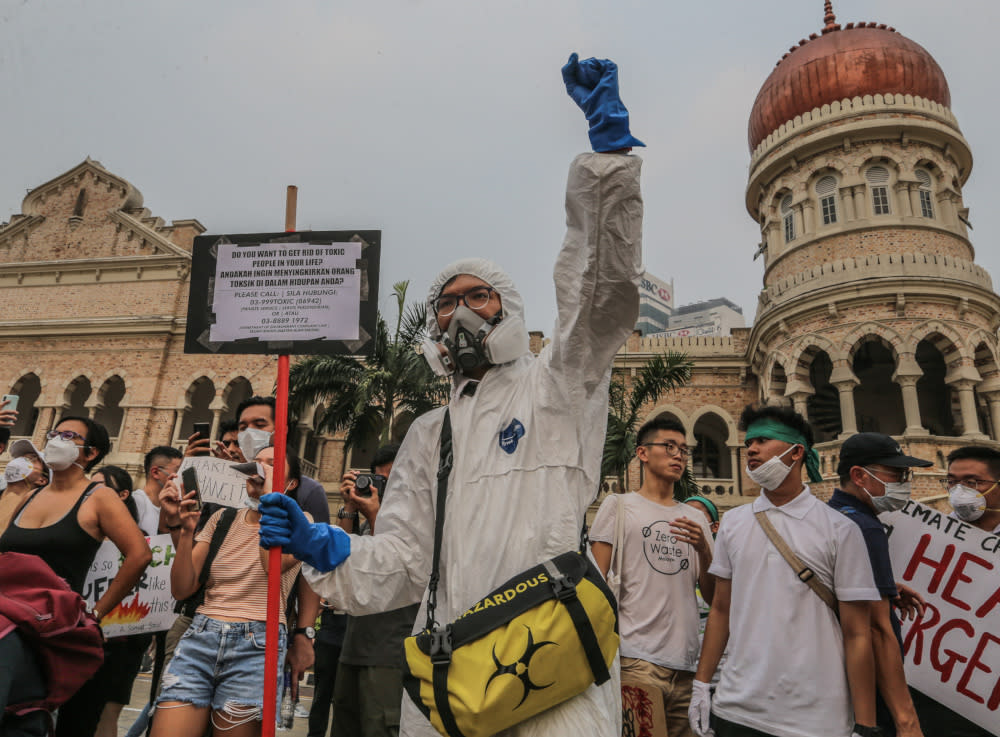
(952, 651)
(218, 480)
(295, 291)
(148, 607)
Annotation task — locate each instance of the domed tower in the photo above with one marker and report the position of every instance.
(874, 315)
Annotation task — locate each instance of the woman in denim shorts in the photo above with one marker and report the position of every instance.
(216, 673)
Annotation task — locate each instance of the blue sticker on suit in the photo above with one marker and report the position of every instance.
(511, 435)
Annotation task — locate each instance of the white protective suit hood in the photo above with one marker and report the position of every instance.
(508, 340)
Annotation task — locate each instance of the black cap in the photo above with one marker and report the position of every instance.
(874, 448)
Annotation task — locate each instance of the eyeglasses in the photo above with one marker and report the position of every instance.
(673, 449)
(971, 482)
(474, 299)
(901, 475)
(65, 435)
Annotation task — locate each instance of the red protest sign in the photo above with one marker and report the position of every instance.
(953, 651)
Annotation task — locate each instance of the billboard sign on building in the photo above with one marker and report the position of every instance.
(656, 290)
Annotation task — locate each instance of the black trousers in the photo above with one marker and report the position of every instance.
(325, 675)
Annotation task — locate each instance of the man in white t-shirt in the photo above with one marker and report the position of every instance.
(159, 465)
(667, 549)
(792, 669)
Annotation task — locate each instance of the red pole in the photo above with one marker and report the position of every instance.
(274, 554)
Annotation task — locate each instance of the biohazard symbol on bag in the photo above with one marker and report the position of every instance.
(520, 667)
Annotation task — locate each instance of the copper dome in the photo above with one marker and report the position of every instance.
(866, 59)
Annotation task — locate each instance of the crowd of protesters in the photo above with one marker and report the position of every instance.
(803, 607)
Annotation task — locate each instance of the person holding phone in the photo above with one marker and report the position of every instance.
(214, 675)
(8, 413)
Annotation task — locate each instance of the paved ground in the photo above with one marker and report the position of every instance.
(140, 694)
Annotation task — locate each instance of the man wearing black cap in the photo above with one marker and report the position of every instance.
(874, 478)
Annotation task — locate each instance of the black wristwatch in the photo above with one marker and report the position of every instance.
(307, 631)
(342, 513)
(868, 731)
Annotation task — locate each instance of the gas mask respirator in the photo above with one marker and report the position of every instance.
(472, 342)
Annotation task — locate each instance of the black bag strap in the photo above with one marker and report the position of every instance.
(564, 589)
(218, 537)
(444, 470)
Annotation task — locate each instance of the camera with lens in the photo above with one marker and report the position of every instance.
(365, 483)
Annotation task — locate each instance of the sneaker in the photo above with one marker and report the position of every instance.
(301, 711)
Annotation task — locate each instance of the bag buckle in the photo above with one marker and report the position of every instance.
(441, 645)
(805, 574)
(563, 587)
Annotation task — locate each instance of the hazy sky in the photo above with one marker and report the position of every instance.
(444, 123)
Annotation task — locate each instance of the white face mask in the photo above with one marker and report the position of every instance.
(59, 453)
(770, 474)
(969, 504)
(252, 441)
(897, 494)
(18, 469)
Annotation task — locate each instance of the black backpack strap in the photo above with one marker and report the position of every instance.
(444, 470)
(218, 537)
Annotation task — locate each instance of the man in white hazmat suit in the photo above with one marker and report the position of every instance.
(528, 431)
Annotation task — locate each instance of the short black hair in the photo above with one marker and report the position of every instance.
(784, 415)
(253, 402)
(385, 454)
(658, 424)
(97, 438)
(4, 435)
(160, 451)
(227, 426)
(989, 456)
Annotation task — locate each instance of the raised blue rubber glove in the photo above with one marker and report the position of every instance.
(593, 85)
(318, 544)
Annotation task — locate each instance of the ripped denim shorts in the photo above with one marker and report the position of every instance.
(220, 665)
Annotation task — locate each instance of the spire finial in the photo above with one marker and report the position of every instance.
(829, 18)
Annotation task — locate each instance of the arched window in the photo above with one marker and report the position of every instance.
(110, 413)
(826, 190)
(200, 396)
(924, 190)
(878, 400)
(238, 390)
(788, 218)
(77, 394)
(710, 458)
(28, 388)
(878, 183)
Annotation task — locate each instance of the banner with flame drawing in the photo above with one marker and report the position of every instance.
(149, 606)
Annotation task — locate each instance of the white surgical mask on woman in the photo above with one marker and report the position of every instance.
(60, 453)
(769, 474)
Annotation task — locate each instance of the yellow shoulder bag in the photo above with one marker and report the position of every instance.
(539, 639)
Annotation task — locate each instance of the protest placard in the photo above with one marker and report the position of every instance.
(148, 607)
(218, 480)
(278, 292)
(642, 712)
(284, 293)
(953, 650)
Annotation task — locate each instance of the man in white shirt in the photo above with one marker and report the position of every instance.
(666, 551)
(792, 670)
(159, 465)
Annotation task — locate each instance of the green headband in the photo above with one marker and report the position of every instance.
(767, 427)
(709, 505)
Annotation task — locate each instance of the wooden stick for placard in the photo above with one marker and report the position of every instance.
(274, 554)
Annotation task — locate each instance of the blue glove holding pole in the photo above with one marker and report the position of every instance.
(283, 523)
(593, 85)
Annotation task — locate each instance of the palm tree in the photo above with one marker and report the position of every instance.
(661, 374)
(365, 393)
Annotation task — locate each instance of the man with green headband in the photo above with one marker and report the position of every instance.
(792, 668)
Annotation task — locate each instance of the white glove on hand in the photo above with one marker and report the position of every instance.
(700, 709)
